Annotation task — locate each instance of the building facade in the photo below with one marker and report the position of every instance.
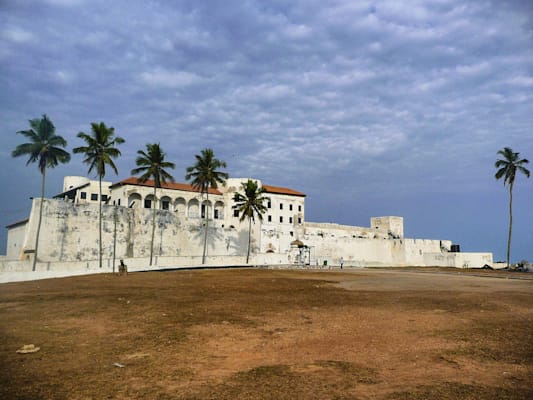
(69, 230)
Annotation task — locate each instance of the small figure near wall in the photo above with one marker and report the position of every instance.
(122, 268)
(341, 261)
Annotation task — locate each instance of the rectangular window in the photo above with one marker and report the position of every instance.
(118, 202)
(165, 204)
(290, 220)
(299, 208)
(94, 196)
(281, 219)
(299, 220)
(147, 203)
(281, 206)
(235, 213)
(269, 204)
(83, 195)
(290, 207)
(270, 218)
(216, 213)
(104, 198)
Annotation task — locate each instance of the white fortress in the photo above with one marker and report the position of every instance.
(68, 242)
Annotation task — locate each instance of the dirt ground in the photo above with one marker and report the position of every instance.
(270, 334)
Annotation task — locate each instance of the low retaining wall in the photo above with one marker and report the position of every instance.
(458, 260)
(15, 271)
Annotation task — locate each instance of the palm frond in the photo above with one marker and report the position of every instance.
(44, 146)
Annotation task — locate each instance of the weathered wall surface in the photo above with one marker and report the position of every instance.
(459, 260)
(15, 241)
(14, 271)
(69, 232)
(69, 243)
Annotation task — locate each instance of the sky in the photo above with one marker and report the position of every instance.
(371, 108)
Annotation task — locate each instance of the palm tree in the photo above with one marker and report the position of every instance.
(205, 174)
(250, 204)
(507, 168)
(152, 164)
(99, 151)
(45, 149)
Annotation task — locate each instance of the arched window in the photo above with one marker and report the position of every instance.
(164, 203)
(205, 205)
(134, 200)
(219, 210)
(180, 205)
(193, 210)
(149, 201)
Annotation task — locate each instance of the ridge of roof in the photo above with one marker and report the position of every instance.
(19, 222)
(73, 189)
(169, 185)
(283, 190)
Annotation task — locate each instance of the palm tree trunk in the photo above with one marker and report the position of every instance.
(39, 222)
(153, 225)
(510, 223)
(249, 238)
(206, 223)
(100, 222)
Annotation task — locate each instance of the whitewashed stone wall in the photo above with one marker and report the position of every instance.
(69, 232)
(69, 242)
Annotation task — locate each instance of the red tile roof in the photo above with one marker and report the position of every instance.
(282, 190)
(169, 185)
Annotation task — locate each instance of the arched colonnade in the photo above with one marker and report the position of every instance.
(191, 208)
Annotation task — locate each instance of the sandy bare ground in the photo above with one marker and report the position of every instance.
(269, 334)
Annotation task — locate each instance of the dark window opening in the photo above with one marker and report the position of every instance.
(104, 198)
(290, 207)
(94, 196)
(281, 219)
(270, 218)
(281, 206)
(83, 195)
(216, 213)
(147, 203)
(165, 204)
(269, 204)
(299, 220)
(299, 208)
(290, 220)
(235, 213)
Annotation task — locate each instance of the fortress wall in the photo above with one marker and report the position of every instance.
(355, 252)
(458, 260)
(69, 232)
(69, 243)
(14, 271)
(416, 248)
(345, 231)
(15, 241)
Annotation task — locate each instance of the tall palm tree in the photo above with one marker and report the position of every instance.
(205, 174)
(152, 164)
(45, 149)
(99, 151)
(249, 205)
(507, 169)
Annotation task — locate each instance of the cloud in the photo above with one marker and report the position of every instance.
(17, 35)
(379, 95)
(171, 79)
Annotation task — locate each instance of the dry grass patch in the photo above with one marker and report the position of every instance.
(267, 334)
